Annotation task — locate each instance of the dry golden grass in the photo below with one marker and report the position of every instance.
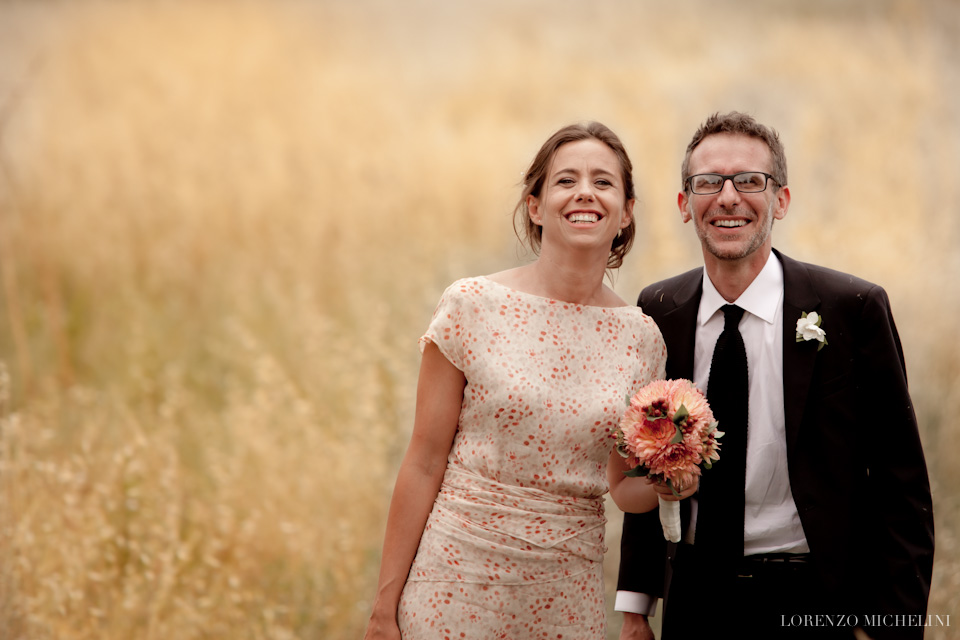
(223, 225)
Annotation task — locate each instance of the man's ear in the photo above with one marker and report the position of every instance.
(783, 203)
(683, 203)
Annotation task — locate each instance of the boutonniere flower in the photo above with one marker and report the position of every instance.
(808, 328)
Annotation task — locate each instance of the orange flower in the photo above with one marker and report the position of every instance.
(677, 463)
(668, 431)
(645, 435)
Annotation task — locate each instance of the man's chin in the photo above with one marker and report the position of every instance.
(732, 250)
(729, 251)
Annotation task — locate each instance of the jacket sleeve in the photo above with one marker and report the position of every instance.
(899, 489)
(642, 554)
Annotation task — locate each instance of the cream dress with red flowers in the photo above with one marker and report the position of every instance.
(513, 547)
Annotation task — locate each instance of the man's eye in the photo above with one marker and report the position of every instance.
(706, 181)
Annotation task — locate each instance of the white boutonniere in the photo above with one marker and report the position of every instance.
(808, 328)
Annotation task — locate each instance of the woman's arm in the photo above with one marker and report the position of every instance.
(632, 495)
(439, 397)
(639, 495)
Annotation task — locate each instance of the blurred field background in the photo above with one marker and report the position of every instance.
(224, 225)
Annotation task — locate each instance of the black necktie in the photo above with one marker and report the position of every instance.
(720, 508)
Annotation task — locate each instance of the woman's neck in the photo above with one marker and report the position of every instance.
(570, 280)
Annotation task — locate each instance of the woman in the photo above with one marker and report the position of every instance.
(496, 525)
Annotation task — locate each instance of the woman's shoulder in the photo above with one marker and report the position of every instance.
(469, 292)
(468, 285)
(634, 317)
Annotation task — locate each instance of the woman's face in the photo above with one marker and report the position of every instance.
(582, 204)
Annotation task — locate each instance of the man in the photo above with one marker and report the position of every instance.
(836, 514)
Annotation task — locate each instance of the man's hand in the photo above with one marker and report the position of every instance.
(635, 627)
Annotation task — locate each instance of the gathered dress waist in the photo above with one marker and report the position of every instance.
(521, 534)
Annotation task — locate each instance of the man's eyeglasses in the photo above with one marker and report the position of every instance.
(704, 184)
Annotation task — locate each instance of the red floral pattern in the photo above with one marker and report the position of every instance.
(514, 544)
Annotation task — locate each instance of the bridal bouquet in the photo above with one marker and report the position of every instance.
(669, 433)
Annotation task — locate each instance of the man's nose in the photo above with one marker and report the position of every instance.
(728, 195)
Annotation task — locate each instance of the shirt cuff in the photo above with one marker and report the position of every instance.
(633, 602)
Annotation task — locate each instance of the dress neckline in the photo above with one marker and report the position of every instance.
(554, 300)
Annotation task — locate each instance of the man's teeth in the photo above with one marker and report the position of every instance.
(729, 223)
(584, 217)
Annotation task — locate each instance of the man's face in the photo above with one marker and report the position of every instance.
(732, 225)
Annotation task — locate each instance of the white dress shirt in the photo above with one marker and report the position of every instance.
(771, 521)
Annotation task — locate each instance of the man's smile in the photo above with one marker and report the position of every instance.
(729, 223)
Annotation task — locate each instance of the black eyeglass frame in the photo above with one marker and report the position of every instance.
(724, 177)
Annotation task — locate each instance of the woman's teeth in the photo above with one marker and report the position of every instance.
(584, 217)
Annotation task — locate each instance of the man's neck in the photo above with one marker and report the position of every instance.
(732, 277)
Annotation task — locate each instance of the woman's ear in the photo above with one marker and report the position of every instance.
(627, 214)
(533, 209)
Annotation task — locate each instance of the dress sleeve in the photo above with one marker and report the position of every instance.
(446, 328)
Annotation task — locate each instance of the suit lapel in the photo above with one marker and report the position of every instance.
(799, 358)
(679, 325)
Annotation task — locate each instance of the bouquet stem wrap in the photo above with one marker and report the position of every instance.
(670, 519)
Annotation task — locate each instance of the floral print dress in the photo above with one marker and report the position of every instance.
(513, 547)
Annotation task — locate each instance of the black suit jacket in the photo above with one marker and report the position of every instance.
(856, 466)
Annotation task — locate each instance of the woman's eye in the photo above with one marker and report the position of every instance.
(604, 183)
(565, 181)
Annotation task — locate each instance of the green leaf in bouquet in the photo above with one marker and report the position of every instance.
(677, 437)
(637, 472)
(680, 415)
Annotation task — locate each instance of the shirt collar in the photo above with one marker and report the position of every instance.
(762, 298)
